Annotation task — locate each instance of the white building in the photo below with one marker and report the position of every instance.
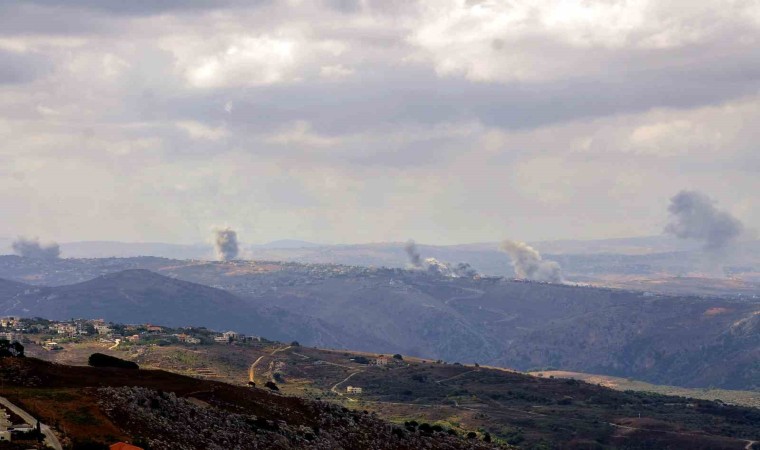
(5, 435)
(103, 329)
(354, 390)
(383, 361)
(230, 335)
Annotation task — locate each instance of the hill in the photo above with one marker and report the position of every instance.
(142, 296)
(528, 411)
(170, 411)
(674, 340)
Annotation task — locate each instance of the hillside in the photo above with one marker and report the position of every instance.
(673, 340)
(140, 296)
(527, 411)
(103, 405)
(10, 289)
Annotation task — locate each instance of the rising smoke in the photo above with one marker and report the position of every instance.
(415, 260)
(528, 263)
(694, 216)
(435, 266)
(225, 244)
(32, 248)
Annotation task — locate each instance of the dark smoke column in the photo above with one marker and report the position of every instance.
(31, 248)
(226, 244)
(694, 216)
(415, 260)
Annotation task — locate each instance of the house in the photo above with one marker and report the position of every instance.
(133, 338)
(65, 328)
(124, 446)
(230, 335)
(186, 338)
(9, 336)
(102, 329)
(353, 390)
(5, 435)
(153, 328)
(221, 339)
(382, 361)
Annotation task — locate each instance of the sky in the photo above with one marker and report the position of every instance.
(346, 121)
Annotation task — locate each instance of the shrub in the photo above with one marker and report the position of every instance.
(14, 349)
(271, 386)
(398, 356)
(101, 360)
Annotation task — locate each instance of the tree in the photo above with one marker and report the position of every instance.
(271, 386)
(398, 356)
(101, 360)
(14, 349)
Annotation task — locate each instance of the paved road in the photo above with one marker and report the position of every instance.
(50, 438)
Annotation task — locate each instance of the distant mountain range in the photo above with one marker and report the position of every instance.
(592, 261)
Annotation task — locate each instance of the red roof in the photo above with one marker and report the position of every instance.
(124, 446)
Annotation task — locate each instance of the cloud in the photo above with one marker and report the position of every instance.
(350, 121)
(197, 130)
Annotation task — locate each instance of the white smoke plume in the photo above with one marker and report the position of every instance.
(225, 244)
(695, 216)
(32, 248)
(528, 263)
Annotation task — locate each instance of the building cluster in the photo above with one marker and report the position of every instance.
(57, 332)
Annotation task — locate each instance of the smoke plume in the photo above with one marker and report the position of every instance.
(694, 216)
(528, 263)
(415, 260)
(32, 248)
(435, 266)
(226, 244)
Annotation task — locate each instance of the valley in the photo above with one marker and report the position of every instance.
(682, 340)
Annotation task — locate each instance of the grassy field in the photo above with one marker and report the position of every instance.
(745, 398)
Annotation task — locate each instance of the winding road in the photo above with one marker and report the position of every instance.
(252, 370)
(335, 387)
(50, 439)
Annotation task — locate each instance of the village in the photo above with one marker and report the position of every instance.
(51, 335)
